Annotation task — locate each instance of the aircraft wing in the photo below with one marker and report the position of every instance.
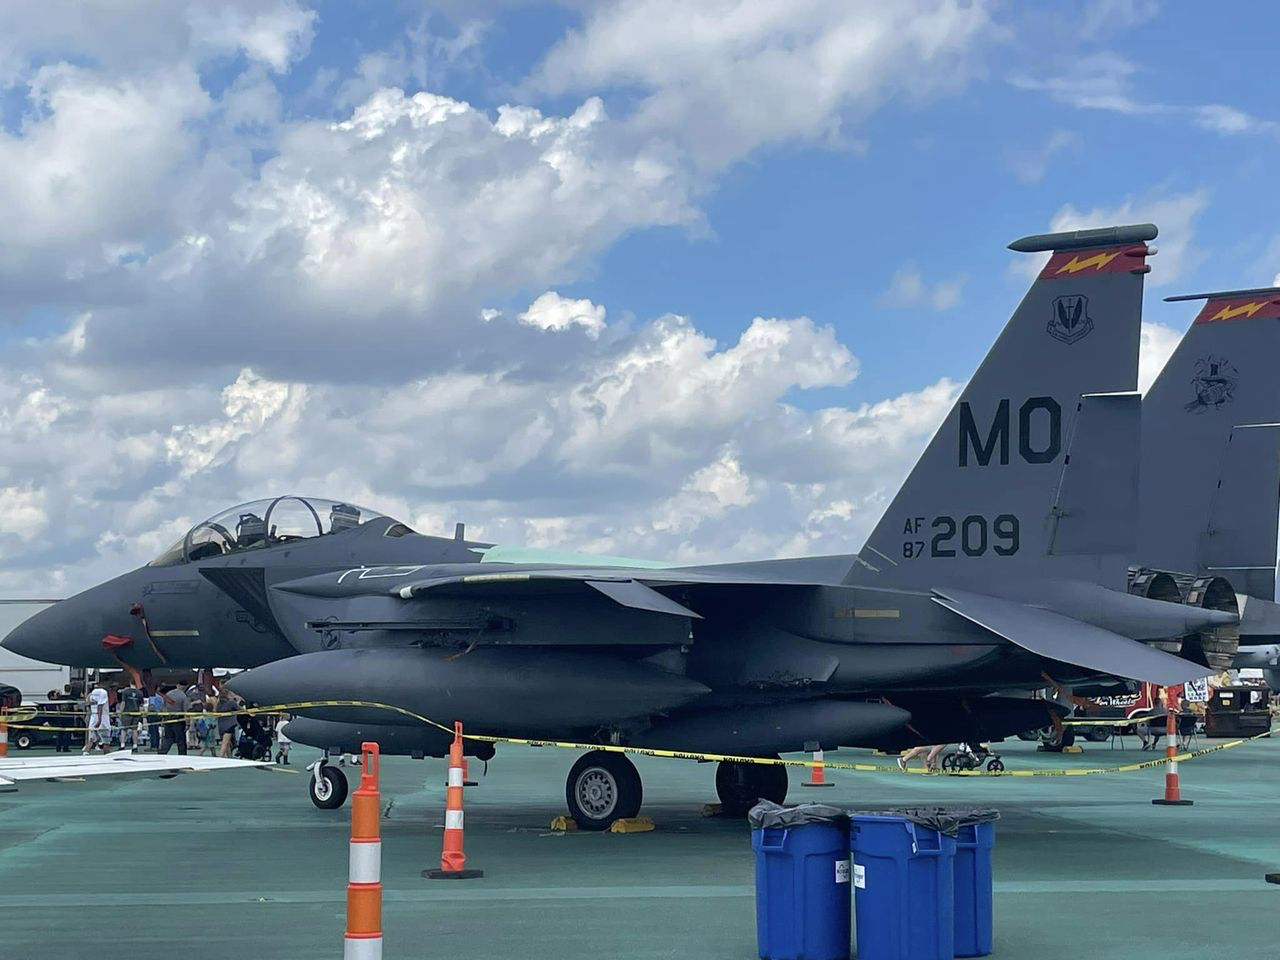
(15, 770)
(1051, 635)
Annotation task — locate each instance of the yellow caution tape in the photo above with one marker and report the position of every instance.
(160, 717)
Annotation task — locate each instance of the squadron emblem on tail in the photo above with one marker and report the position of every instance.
(1215, 384)
(1070, 321)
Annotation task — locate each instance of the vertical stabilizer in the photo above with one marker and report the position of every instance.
(1210, 489)
(980, 495)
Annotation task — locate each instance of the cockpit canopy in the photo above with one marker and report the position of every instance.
(265, 523)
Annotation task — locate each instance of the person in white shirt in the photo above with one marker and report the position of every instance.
(99, 720)
(282, 740)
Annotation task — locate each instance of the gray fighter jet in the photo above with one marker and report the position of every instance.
(1004, 559)
(1211, 465)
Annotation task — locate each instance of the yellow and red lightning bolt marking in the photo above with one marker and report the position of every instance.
(1087, 263)
(1239, 308)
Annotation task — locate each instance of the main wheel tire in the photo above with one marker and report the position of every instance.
(740, 785)
(23, 741)
(602, 787)
(1098, 734)
(329, 791)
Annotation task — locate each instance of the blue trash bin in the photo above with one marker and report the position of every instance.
(802, 891)
(973, 889)
(903, 889)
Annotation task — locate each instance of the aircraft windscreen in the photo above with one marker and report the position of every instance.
(262, 523)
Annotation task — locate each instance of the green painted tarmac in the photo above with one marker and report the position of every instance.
(240, 865)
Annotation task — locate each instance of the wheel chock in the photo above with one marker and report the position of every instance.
(564, 824)
(632, 825)
(712, 810)
(1074, 748)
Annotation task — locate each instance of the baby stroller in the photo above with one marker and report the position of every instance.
(250, 748)
(971, 756)
(253, 743)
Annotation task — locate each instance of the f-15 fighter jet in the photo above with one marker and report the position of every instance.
(1210, 469)
(1003, 559)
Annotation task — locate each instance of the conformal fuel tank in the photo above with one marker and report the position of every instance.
(517, 691)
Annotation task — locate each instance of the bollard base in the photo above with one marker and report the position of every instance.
(452, 874)
(1172, 803)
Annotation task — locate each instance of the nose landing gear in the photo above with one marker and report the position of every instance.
(328, 785)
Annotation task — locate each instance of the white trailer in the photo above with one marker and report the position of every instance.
(32, 677)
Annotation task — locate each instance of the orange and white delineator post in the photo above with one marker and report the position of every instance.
(817, 774)
(4, 731)
(364, 872)
(1172, 792)
(453, 862)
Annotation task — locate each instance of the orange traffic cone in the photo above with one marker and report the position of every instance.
(1172, 791)
(364, 870)
(817, 775)
(453, 861)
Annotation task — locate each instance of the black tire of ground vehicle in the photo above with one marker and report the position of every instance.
(330, 792)
(23, 741)
(603, 787)
(995, 765)
(950, 762)
(740, 785)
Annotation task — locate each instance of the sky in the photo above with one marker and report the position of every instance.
(691, 282)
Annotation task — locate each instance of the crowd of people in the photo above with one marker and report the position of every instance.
(189, 719)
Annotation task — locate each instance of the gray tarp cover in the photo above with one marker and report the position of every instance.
(769, 814)
(946, 820)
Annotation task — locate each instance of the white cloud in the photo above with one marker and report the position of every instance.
(909, 289)
(1096, 81)
(724, 77)
(22, 513)
(1155, 346)
(554, 312)
(1106, 81)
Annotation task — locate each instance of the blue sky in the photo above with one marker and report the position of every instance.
(939, 185)
(424, 255)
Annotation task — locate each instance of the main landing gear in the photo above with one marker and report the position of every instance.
(740, 785)
(328, 785)
(603, 787)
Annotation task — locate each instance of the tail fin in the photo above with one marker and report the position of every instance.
(978, 498)
(1210, 489)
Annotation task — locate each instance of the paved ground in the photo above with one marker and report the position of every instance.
(240, 865)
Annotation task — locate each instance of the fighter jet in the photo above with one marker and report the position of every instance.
(1211, 468)
(1003, 559)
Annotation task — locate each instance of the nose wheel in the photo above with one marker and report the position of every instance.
(603, 787)
(740, 785)
(327, 786)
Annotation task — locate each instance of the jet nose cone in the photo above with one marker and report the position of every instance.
(34, 637)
